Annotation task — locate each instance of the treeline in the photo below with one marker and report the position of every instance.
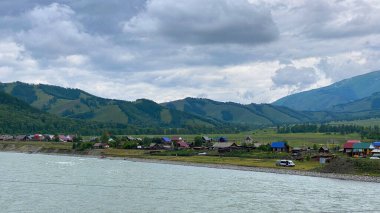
(371, 132)
(323, 128)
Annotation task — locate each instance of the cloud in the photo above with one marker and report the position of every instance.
(242, 51)
(204, 22)
(298, 79)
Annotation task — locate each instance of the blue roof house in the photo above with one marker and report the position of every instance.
(166, 140)
(279, 146)
(222, 139)
(376, 144)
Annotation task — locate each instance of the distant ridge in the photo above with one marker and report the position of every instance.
(326, 98)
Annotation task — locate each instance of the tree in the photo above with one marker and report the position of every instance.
(198, 141)
(105, 137)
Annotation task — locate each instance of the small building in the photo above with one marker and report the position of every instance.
(38, 137)
(376, 144)
(296, 151)
(101, 146)
(349, 146)
(176, 139)
(224, 146)
(222, 139)
(279, 146)
(323, 149)
(362, 149)
(155, 146)
(206, 139)
(182, 145)
(6, 137)
(248, 139)
(166, 140)
(130, 138)
(21, 138)
(257, 145)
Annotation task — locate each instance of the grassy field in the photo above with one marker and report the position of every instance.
(367, 122)
(270, 135)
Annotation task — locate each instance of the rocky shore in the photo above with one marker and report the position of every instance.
(266, 170)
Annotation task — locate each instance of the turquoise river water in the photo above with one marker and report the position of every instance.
(46, 183)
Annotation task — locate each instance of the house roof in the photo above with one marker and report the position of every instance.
(278, 144)
(224, 144)
(222, 139)
(183, 144)
(350, 143)
(166, 139)
(248, 138)
(206, 138)
(176, 138)
(377, 143)
(363, 146)
(324, 148)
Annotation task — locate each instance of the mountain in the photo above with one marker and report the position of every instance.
(252, 114)
(342, 92)
(368, 104)
(18, 117)
(77, 104)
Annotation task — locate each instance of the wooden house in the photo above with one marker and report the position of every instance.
(101, 146)
(224, 146)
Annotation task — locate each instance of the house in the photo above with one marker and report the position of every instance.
(224, 146)
(257, 145)
(362, 149)
(130, 138)
(222, 139)
(155, 146)
(166, 140)
(38, 137)
(176, 139)
(21, 138)
(206, 139)
(182, 145)
(376, 144)
(279, 146)
(348, 146)
(296, 151)
(323, 149)
(101, 146)
(248, 139)
(6, 137)
(49, 137)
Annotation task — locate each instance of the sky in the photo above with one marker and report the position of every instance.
(245, 51)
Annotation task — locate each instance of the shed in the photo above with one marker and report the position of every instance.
(323, 149)
(176, 139)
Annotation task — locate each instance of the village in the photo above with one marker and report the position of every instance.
(210, 146)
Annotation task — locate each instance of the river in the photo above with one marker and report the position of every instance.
(47, 183)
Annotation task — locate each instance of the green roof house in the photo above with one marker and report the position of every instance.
(362, 149)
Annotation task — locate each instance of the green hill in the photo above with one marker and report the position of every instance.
(338, 93)
(371, 103)
(252, 114)
(18, 117)
(77, 104)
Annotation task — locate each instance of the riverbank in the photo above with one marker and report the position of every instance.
(255, 165)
